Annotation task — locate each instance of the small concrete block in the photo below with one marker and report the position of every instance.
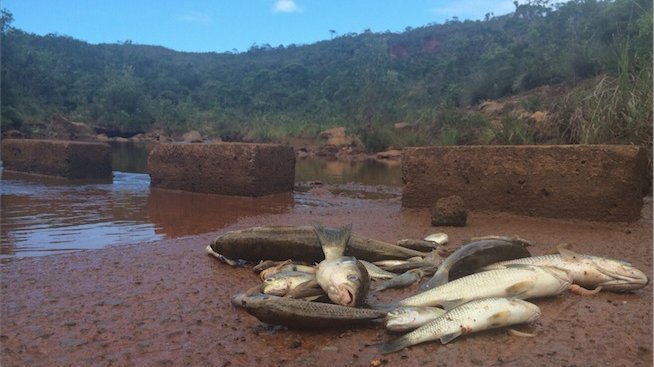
(449, 211)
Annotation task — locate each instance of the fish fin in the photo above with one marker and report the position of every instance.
(333, 241)
(499, 318)
(519, 288)
(579, 290)
(567, 254)
(438, 279)
(451, 336)
(309, 288)
(394, 345)
(448, 305)
(522, 334)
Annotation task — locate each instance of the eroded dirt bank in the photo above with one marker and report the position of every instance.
(167, 303)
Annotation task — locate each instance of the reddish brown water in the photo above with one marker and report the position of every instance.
(42, 215)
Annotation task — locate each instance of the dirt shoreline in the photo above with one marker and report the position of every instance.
(167, 303)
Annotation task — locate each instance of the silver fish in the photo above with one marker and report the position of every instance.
(375, 272)
(472, 256)
(302, 314)
(518, 281)
(405, 279)
(587, 271)
(408, 318)
(299, 244)
(343, 278)
(282, 283)
(468, 318)
(286, 266)
(439, 238)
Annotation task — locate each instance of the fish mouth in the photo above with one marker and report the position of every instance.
(346, 297)
(625, 280)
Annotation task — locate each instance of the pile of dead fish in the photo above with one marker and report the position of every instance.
(480, 286)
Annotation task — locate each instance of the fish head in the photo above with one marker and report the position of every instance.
(400, 317)
(622, 276)
(531, 310)
(349, 283)
(275, 285)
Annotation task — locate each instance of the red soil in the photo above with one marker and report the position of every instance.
(167, 303)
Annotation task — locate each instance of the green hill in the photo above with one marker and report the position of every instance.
(598, 54)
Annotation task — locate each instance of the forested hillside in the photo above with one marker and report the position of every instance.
(427, 76)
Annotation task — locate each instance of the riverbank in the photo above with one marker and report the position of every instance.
(167, 302)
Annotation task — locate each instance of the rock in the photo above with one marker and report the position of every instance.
(12, 134)
(192, 137)
(491, 107)
(336, 137)
(591, 182)
(402, 126)
(64, 129)
(239, 169)
(449, 211)
(69, 159)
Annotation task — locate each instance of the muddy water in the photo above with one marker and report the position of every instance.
(41, 215)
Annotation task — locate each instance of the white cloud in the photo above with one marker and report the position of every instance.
(196, 17)
(285, 6)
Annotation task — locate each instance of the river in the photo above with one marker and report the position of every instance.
(42, 215)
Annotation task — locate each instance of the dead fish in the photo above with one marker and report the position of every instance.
(408, 318)
(468, 318)
(405, 279)
(286, 266)
(418, 245)
(472, 256)
(517, 281)
(228, 261)
(282, 283)
(389, 264)
(439, 238)
(588, 271)
(302, 314)
(375, 272)
(401, 268)
(299, 244)
(343, 278)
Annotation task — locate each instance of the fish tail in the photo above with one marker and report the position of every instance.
(394, 345)
(333, 241)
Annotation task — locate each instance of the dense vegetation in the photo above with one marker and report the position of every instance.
(427, 76)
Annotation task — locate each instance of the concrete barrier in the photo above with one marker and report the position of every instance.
(69, 159)
(592, 182)
(223, 168)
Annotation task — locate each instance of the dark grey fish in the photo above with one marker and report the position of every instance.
(303, 314)
(472, 256)
(299, 244)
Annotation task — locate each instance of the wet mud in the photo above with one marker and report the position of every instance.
(166, 303)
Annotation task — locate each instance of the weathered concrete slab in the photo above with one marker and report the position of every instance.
(223, 168)
(69, 159)
(593, 182)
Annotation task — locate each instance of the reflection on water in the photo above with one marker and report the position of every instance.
(368, 172)
(176, 213)
(42, 215)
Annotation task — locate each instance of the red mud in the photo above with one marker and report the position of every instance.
(167, 303)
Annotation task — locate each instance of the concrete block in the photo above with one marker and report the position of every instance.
(223, 168)
(591, 182)
(69, 159)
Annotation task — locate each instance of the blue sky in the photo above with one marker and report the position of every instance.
(225, 25)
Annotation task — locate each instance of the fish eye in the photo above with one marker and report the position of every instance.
(268, 280)
(352, 277)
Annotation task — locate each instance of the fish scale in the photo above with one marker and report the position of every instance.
(519, 282)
